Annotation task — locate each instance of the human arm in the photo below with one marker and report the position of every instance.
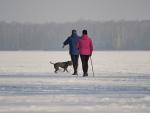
(66, 42)
(91, 47)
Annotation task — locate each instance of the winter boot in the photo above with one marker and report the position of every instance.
(75, 73)
(85, 74)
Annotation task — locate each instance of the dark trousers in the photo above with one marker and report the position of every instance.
(84, 60)
(74, 59)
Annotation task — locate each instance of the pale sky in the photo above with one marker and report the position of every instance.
(42, 11)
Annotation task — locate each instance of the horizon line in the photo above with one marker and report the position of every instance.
(80, 20)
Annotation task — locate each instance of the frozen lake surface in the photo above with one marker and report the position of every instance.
(28, 84)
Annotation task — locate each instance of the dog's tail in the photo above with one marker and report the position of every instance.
(51, 62)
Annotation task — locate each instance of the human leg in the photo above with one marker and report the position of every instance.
(74, 59)
(84, 60)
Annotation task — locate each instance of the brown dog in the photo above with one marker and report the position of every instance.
(63, 65)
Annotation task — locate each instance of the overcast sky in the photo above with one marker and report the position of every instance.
(41, 11)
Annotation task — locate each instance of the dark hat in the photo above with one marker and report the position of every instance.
(84, 32)
(74, 31)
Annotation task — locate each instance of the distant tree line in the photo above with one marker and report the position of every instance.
(109, 35)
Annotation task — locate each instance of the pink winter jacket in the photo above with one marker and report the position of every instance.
(85, 45)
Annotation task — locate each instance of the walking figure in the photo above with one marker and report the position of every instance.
(85, 47)
(73, 50)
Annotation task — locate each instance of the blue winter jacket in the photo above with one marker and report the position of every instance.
(72, 41)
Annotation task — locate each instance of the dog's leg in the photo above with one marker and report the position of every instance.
(55, 71)
(56, 68)
(65, 69)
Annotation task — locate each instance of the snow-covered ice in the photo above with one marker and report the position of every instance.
(121, 83)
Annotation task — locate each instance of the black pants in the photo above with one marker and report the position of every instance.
(84, 60)
(74, 59)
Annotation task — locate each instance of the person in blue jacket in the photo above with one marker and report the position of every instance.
(73, 50)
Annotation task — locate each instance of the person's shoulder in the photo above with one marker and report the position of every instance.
(69, 37)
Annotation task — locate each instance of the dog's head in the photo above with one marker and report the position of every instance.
(69, 62)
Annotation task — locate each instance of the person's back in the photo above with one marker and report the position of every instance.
(73, 50)
(85, 47)
(72, 41)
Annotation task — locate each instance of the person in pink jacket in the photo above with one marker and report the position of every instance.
(85, 47)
